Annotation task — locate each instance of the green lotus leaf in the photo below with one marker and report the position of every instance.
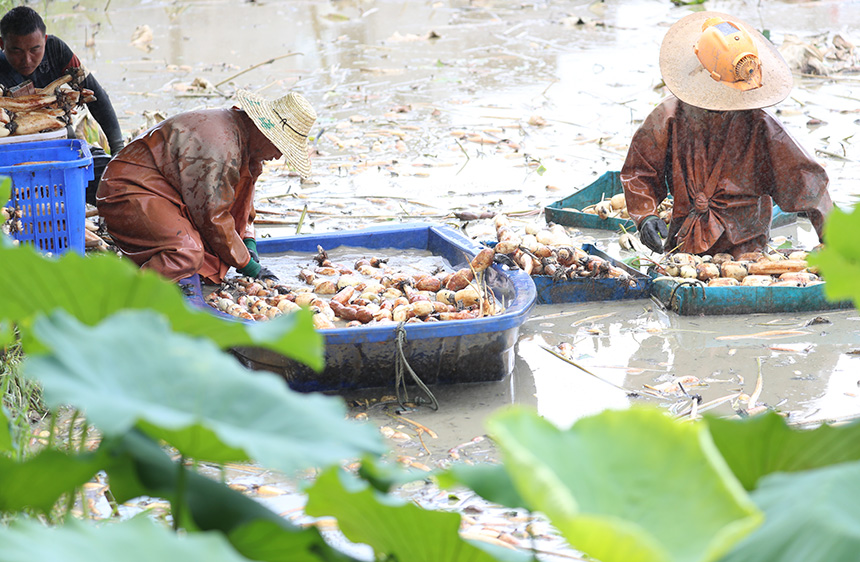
(627, 486)
(758, 446)
(839, 260)
(95, 286)
(137, 540)
(811, 516)
(140, 467)
(132, 371)
(394, 529)
(39, 482)
(490, 481)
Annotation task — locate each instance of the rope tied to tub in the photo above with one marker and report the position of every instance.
(401, 365)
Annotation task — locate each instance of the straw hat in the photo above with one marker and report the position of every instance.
(687, 78)
(286, 122)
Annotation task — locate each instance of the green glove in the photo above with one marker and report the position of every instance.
(251, 244)
(252, 269)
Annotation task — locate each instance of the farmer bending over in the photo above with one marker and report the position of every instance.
(723, 158)
(29, 54)
(179, 199)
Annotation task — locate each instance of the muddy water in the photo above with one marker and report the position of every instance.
(431, 107)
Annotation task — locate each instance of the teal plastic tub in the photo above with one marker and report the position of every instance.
(568, 212)
(693, 299)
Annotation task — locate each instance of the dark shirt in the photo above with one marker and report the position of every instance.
(59, 57)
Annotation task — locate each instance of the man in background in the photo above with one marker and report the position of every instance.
(32, 59)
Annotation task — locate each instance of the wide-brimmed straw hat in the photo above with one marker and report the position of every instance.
(687, 78)
(286, 122)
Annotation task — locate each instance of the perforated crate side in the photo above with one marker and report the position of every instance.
(50, 195)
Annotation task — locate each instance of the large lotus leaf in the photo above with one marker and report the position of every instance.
(811, 516)
(140, 467)
(627, 486)
(95, 286)
(265, 540)
(385, 476)
(394, 529)
(137, 540)
(839, 260)
(131, 370)
(758, 446)
(38, 483)
(490, 481)
(7, 334)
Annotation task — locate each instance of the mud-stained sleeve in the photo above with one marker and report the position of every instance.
(250, 232)
(643, 175)
(795, 181)
(209, 171)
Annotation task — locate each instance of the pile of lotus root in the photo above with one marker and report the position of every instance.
(552, 252)
(370, 292)
(48, 109)
(616, 208)
(781, 268)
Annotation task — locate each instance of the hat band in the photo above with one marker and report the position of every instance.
(285, 123)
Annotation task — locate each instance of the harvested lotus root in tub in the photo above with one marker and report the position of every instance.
(774, 268)
(348, 289)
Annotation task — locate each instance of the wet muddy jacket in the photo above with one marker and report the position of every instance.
(723, 168)
(195, 167)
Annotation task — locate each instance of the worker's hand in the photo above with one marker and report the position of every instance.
(266, 274)
(652, 231)
(251, 244)
(251, 270)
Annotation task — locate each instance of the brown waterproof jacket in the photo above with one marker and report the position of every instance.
(723, 169)
(179, 198)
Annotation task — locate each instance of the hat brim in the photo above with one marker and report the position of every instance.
(690, 82)
(292, 145)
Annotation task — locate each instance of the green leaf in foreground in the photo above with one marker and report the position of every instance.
(839, 261)
(627, 486)
(490, 481)
(131, 370)
(140, 467)
(396, 530)
(811, 516)
(93, 287)
(137, 540)
(39, 482)
(758, 446)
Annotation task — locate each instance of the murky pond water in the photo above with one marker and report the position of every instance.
(426, 108)
(430, 108)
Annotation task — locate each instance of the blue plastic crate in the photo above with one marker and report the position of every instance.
(49, 181)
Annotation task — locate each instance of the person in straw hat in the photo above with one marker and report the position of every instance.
(179, 199)
(724, 159)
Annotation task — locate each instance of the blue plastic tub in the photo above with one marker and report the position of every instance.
(49, 181)
(692, 299)
(567, 211)
(439, 352)
(550, 291)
